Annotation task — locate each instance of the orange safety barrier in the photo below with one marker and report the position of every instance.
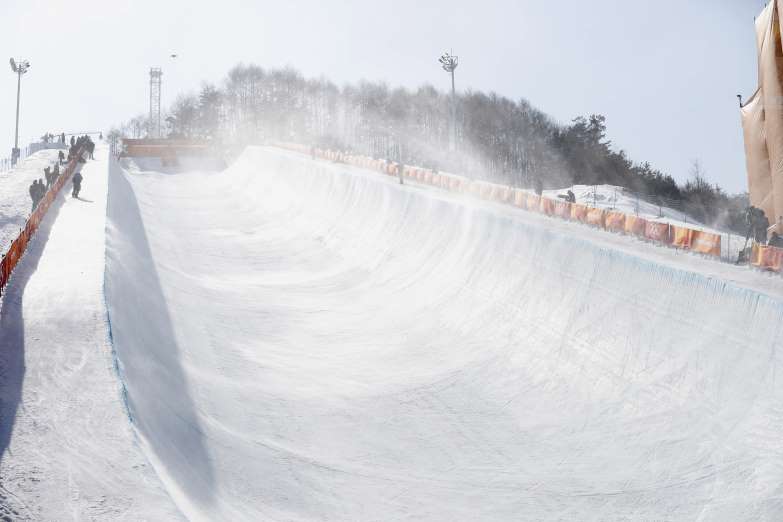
(19, 245)
(615, 221)
(705, 243)
(767, 257)
(508, 195)
(658, 231)
(519, 198)
(596, 217)
(534, 202)
(635, 225)
(579, 212)
(563, 209)
(547, 206)
(681, 236)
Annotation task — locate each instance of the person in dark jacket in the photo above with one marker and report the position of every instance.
(77, 184)
(34, 194)
(48, 176)
(61, 157)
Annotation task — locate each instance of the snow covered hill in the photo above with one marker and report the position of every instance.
(302, 340)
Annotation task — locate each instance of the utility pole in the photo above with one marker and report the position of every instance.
(449, 64)
(19, 68)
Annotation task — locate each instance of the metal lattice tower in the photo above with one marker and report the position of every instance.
(156, 75)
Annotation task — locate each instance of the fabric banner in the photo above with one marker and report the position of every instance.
(563, 209)
(615, 221)
(547, 206)
(635, 225)
(519, 198)
(596, 217)
(767, 257)
(771, 75)
(681, 236)
(657, 231)
(757, 156)
(705, 243)
(534, 202)
(579, 212)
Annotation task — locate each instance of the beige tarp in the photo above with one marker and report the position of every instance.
(762, 117)
(756, 156)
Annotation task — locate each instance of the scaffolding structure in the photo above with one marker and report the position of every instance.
(156, 78)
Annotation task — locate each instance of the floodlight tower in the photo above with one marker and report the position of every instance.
(449, 63)
(20, 68)
(156, 79)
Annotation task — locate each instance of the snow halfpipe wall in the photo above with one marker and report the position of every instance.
(302, 340)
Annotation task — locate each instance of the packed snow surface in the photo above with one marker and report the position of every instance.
(301, 340)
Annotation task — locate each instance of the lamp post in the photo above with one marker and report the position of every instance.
(19, 68)
(449, 64)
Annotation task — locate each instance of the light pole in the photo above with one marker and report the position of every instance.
(19, 68)
(449, 64)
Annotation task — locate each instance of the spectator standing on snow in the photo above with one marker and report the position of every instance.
(73, 141)
(91, 148)
(77, 184)
(34, 194)
(48, 176)
(61, 157)
(56, 172)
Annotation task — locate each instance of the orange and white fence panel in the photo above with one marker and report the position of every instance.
(615, 221)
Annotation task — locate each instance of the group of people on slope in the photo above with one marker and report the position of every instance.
(82, 141)
(38, 188)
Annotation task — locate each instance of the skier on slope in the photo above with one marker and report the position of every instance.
(77, 184)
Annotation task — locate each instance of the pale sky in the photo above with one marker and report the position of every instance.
(665, 73)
